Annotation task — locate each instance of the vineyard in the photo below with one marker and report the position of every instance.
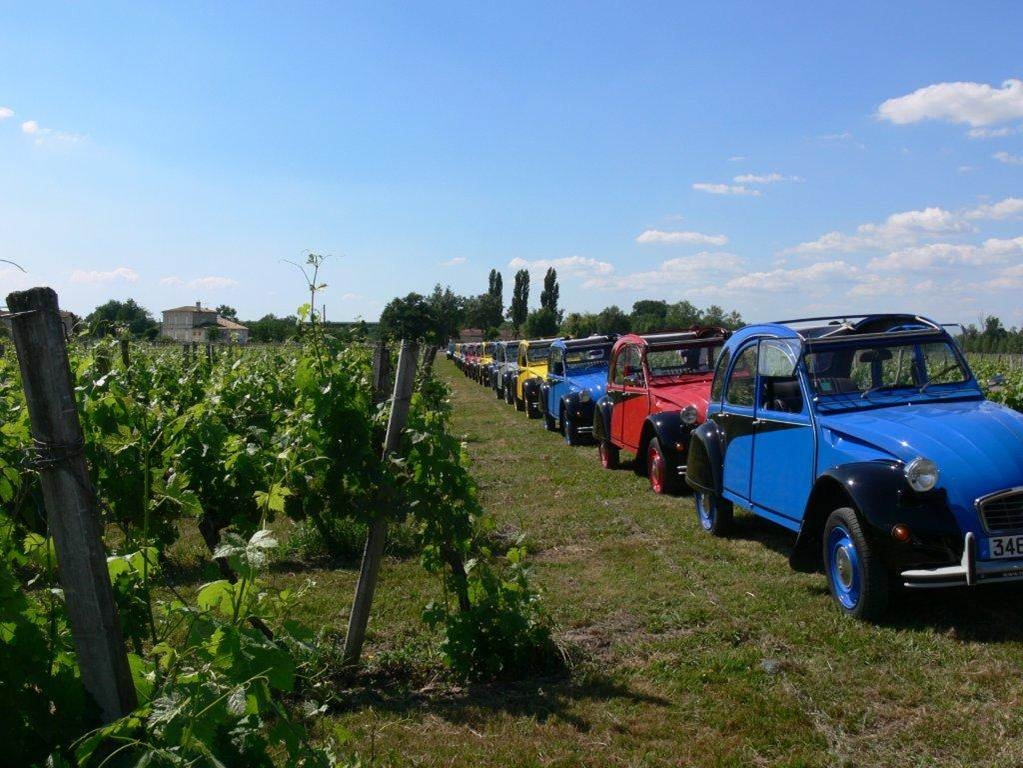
(198, 465)
(237, 489)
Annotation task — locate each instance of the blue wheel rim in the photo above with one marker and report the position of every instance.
(844, 567)
(705, 509)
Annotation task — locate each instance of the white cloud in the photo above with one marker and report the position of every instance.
(941, 255)
(352, 297)
(48, 135)
(93, 276)
(725, 189)
(764, 178)
(1008, 158)
(454, 262)
(212, 282)
(903, 228)
(569, 265)
(1010, 278)
(990, 133)
(736, 158)
(6, 112)
(676, 237)
(1003, 209)
(976, 104)
(825, 273)
(687, 272)
(172, 280)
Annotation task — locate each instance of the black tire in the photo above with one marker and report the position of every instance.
(532, 410)
(713, 513)
(857, 579)
(520, 405)
(549, 422)
(509, 394)
(608, 453)
(661, 474)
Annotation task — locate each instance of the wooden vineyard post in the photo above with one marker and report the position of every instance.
(404, 382)
(125, 353)
(71, 511)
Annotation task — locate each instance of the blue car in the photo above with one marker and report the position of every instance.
(576, 380)
(870, 438)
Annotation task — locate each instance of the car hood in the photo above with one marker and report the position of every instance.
(977, 445)
(595, 383)
(695, 392)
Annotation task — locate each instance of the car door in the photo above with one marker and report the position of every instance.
(615, 392)
(635, 405)
(736, 416)
(555, 379)
(783, 436)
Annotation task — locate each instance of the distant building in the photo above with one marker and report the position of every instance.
(469, 335)
(200, 324)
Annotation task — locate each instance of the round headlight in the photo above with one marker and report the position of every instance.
(584, 396)
(922, 474)
(689, 414)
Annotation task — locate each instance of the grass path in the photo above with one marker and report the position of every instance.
(692, 650)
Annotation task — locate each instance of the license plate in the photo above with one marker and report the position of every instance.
(1005, 546)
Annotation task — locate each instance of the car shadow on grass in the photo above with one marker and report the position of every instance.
(540, 698)
(987, 613)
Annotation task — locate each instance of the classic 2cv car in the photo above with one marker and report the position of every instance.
(657, 391)
(506, 362)
(485, 363)
(532, 370)
(870, 437)
(576, 379)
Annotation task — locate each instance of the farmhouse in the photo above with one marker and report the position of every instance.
(199, 323)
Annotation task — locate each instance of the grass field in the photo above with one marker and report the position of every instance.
(684, 649)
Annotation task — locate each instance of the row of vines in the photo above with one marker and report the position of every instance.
(231, 447)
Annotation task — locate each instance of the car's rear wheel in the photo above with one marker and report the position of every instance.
(713, 512)
(660, 473)
(856, 576)
(608, 453)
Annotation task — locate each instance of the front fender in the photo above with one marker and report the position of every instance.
(531, 389)
(673, 436)
(602, 419)
(706, 453)
(545, 397)
(878, 491)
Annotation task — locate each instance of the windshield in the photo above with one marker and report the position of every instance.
(511, 352)
(537, 354)
(867, 369)
(682, 361)
(587, 357)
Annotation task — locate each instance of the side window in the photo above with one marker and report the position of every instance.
(739, 390)
(779, 385)
(557, 362)
(717, 388)
(634, 367)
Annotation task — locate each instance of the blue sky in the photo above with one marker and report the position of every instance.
(779, 159)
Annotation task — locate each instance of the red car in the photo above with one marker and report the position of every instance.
(658, 388)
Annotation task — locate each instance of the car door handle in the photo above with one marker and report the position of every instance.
(756, 422)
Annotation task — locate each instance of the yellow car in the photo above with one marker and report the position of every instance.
(483, 364)
(532, 372)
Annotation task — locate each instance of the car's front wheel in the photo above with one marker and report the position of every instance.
(660, 473)
(608, 453)
(713, 512)
(549, 422)
(856, 576)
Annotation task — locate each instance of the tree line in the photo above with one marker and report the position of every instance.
(441, 315)
(993, 337)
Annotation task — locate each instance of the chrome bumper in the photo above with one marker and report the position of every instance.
(969, 572)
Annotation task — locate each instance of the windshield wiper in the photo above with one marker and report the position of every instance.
(938, 375)
(882, 388)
